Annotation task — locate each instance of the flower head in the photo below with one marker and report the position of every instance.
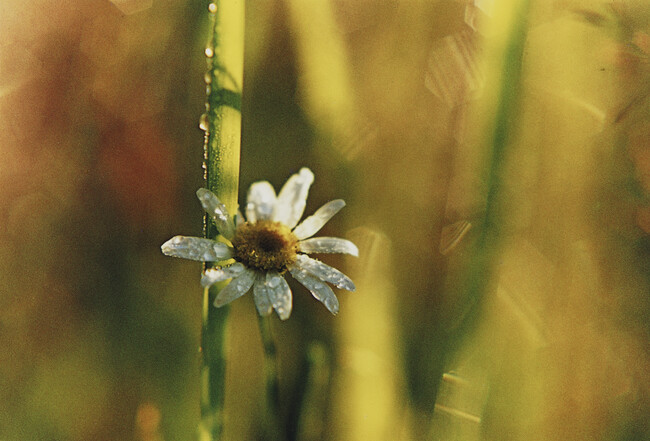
(266, 245)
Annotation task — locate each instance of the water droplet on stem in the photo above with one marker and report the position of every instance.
(203, 122)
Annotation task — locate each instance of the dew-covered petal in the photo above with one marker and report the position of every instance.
(261, 296)
(237, 287)
(279, 294)
(260, 201)
(324, 272)
(328, 245)
(239, 219)
(320, 290)
(272, 291)
(292, 198)
(196, 248)
(315, 222)
(214, 275)
(213, 206)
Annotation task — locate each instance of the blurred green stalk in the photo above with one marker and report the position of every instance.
(500, 137)
(478, 277)
(311, 424)
(273, 422)
(222, 126)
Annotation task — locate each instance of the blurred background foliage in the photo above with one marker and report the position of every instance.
(392, 105)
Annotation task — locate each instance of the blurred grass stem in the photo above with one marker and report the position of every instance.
(274, 428)
(499, 138)
(222, 126)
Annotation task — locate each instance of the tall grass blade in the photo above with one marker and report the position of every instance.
(222, 126)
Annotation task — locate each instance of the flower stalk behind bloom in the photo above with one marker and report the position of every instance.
(266, 245)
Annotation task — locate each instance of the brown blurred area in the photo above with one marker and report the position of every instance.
(101, 156)
(97, 111)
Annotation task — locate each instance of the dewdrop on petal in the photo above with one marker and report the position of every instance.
(268, 243)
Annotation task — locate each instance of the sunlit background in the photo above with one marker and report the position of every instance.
(499, 297)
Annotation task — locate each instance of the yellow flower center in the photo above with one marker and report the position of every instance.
(265, 245)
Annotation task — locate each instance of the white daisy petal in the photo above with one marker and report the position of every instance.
(237, 287)
(259, 263)
(214, 275)
(315, 222)
(279, 294)
(324, 272)
(320, 290)
(261, 296)
(328, 245)
(196, 248)
(239, 218)
(292, 198)
(260, 201)
(213, 206)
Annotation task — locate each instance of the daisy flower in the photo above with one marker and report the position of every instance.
(266, 245)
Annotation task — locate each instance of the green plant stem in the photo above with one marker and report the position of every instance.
(479, 277)
(222, 126)
(273, 417)
(311, 423)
